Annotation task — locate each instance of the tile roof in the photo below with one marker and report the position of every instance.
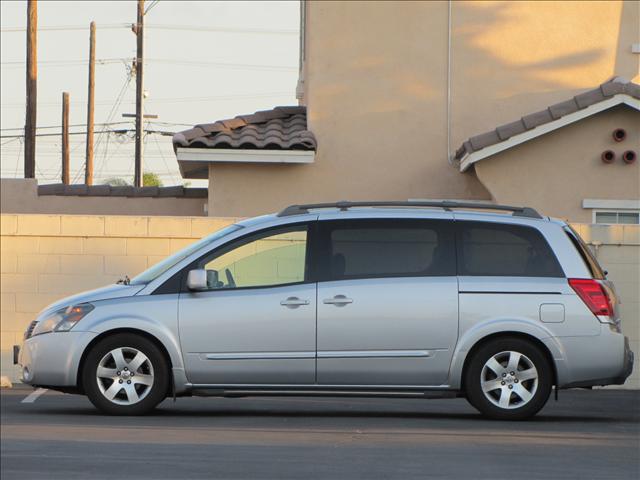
(283, 128)
(615, 86)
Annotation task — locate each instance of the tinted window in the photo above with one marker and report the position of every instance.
(587, 257)
(494, 249)
(385, 248)
(274, 258)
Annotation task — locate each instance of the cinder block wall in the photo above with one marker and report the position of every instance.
(46, 257)
(617, 248)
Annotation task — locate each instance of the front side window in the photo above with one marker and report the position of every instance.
(275, 258)
(385, 248)
(493, 249)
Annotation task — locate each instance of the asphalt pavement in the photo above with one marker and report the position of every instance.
(585, 435)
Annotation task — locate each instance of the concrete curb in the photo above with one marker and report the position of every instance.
(5, 382)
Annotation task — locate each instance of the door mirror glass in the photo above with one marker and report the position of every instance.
(197, 280)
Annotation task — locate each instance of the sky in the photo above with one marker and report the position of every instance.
(204, 61)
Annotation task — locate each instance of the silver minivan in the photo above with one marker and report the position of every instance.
(420, 299)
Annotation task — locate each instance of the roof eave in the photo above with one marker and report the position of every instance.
(470, 158)
(194, 162)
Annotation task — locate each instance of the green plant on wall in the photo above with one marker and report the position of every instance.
(149, 179)
(116, 182)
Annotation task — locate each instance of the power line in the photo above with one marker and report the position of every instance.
(81, 102)
(110, 117)
(155, 122)
(164, 160)
(52, 173)
(232, 96)
(67, 63)
(57, 134)
(158, 61)
(54, 28)
(204, 28)
(190, 28)
(200, 63)
(9, 141)
(123, 131)
(59, 126)
(153, 4)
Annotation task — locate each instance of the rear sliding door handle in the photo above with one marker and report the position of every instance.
(338, 301)
(293, 302)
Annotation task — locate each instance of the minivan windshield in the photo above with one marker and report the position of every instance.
(159, 268)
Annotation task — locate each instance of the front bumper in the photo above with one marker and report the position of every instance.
(52, 359)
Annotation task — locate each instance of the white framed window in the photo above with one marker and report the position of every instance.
(612, 217)
(613, 212)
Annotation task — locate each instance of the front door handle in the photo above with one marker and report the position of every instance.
(293, 302)
(338, 301)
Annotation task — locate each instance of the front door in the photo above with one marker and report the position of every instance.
(256, 322)
(387, 302)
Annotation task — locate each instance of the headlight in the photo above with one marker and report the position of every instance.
(63, 320)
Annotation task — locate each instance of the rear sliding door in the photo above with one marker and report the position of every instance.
(387, 302)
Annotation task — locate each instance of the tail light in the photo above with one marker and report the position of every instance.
(594, 295)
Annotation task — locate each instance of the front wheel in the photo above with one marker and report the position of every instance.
(125, 374)
(508, 379)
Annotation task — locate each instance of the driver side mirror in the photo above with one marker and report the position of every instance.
(197, 280)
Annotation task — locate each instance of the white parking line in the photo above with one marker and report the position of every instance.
(33, 396)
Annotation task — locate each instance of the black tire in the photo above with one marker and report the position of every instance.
(159, 384)
(473, 377)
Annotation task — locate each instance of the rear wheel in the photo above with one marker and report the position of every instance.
(125, 374)
(508, 378)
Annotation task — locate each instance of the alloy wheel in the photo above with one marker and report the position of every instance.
(509, 379)
(125, 376)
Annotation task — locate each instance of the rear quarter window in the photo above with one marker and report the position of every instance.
(494, 249)
(587, 257)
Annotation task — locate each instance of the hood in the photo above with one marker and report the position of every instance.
(104, 293)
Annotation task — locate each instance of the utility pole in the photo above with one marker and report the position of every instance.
(32, 91)
(88, 170)
(139, 31)
(65, 138)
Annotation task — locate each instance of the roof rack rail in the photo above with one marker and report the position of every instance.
(445, 204)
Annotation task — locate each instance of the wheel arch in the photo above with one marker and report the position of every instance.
(538, 334)
(539, 343)
(115, 331)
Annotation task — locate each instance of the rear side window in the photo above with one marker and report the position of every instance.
(494, 249)
(586, 255)
(385, 248)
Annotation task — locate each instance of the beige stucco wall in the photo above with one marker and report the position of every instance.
(517, 57)
(555, 172)
(47, 257)
(20, 195)
(375, 83)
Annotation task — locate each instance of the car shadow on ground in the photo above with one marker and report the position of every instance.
(207, 412)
